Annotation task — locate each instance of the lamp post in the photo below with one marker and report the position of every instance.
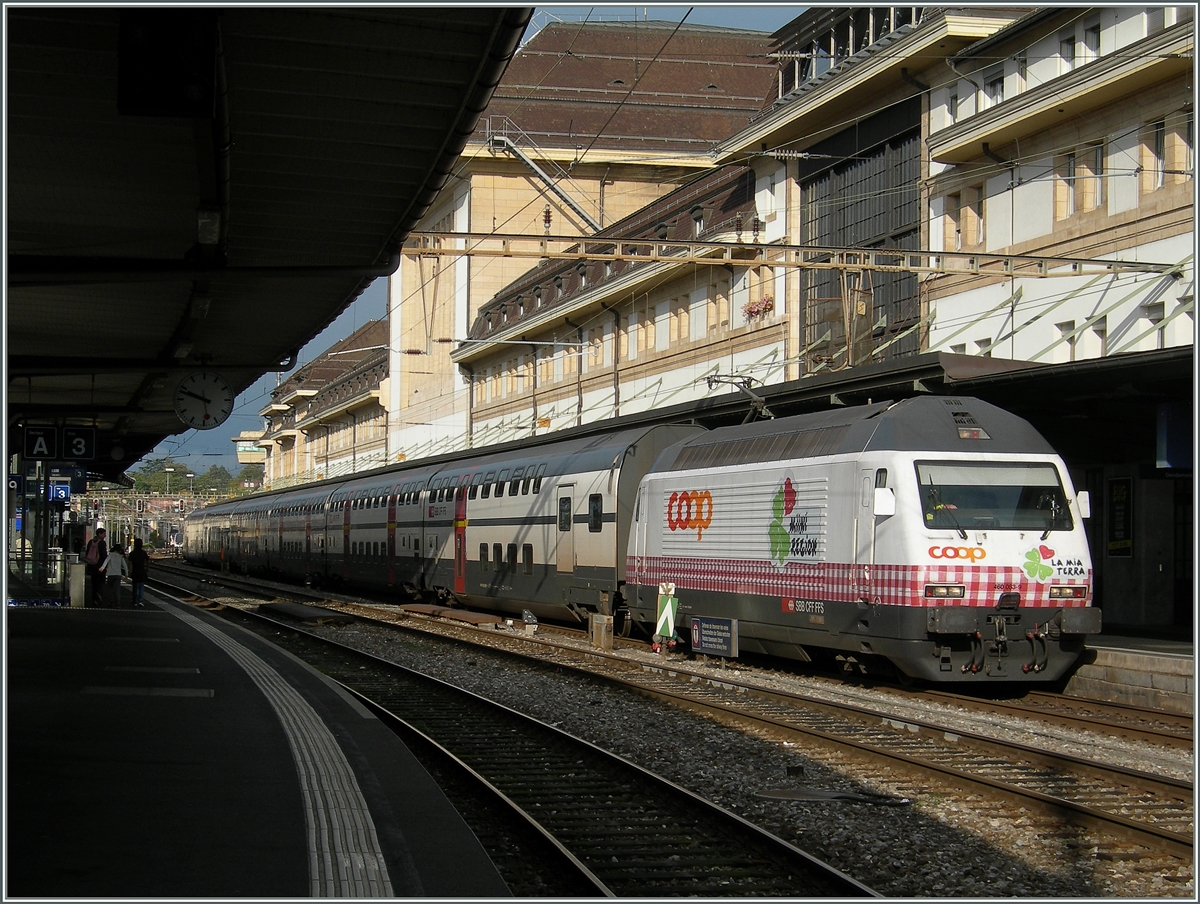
(169, 471)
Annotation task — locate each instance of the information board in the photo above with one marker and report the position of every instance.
(715, 636)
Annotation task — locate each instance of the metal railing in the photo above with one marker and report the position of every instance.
(40, 578)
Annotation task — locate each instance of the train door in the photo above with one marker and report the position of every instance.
(346, 503)
(875, 500)
(391, 536)
(307, 541)
(564, 550)
(460, 539)
(640, 528)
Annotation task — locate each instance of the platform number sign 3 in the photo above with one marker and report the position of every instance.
(203, 400)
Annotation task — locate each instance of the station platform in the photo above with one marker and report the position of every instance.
(1141, 671)
(164, 753)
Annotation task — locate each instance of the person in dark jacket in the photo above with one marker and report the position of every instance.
(139, 569)
(94, 555)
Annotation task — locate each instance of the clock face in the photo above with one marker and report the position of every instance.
(203, 400)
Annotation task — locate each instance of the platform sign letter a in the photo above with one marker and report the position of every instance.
(41, 442)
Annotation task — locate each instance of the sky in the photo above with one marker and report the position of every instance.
(200, 450)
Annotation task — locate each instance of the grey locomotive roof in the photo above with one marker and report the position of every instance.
(922, 424)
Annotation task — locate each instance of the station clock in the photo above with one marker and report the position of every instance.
(203, 400)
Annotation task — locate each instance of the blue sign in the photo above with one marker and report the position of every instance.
(715, 636)
(60, 492)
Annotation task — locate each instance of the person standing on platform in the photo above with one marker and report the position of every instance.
(93, 557)
(139, 569)
(115, 567)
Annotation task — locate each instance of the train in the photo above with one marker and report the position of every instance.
(936, 538)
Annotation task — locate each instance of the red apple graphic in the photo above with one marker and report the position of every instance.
(789, 496)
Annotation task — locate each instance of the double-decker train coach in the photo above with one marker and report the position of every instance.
(942, 535)
(537, 527)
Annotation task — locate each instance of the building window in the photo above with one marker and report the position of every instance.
(1067, 335)
(984, 347)
(1091, 177)
(952, 108)
(1154, 151)
(1155, 313)
(953, 231)
(993, 88)
(1066, 53)
(1091, 42)
(1066, 202)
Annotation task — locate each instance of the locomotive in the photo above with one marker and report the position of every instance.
(937, 536)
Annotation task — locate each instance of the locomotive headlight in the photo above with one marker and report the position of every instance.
(945, 591)
(1075, 592)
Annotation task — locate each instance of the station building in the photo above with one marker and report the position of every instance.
(1036, 166)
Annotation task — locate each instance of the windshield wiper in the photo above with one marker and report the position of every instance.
(947, 509)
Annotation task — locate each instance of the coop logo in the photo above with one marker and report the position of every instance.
(690, 510)
(973, 553)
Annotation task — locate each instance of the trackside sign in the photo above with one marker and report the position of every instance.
(715, 636)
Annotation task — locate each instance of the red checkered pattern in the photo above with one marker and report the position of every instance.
(893, 585)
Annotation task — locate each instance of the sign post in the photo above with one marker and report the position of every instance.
(664, 631)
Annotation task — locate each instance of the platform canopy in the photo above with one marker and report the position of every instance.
(206, 189)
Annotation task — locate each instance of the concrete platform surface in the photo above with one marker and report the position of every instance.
(165, 753)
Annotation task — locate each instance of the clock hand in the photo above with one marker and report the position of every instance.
(195, 395)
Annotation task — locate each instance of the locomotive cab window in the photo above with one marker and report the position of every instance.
(963, 496)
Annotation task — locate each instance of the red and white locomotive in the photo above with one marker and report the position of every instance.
(941, 535)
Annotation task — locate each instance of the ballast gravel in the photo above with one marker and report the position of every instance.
(893, 832)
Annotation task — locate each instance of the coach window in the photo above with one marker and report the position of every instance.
(483, 560)
(595, 512)
(497, 555)
(537, 481)
(527, 558)
(487, 484)
(500, 482)
(564, 513)
(512, 556)
(516, 481)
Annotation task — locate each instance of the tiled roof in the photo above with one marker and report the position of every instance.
(691, 87)
(338, 360)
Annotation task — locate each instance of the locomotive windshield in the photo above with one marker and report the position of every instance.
(965, 496)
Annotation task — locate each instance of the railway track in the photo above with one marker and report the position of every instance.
(625, 831)
(1151, 811)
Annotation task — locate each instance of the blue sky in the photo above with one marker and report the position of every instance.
(200, 450)
(755, 17)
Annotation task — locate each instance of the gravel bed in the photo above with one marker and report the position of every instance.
(913, 840)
